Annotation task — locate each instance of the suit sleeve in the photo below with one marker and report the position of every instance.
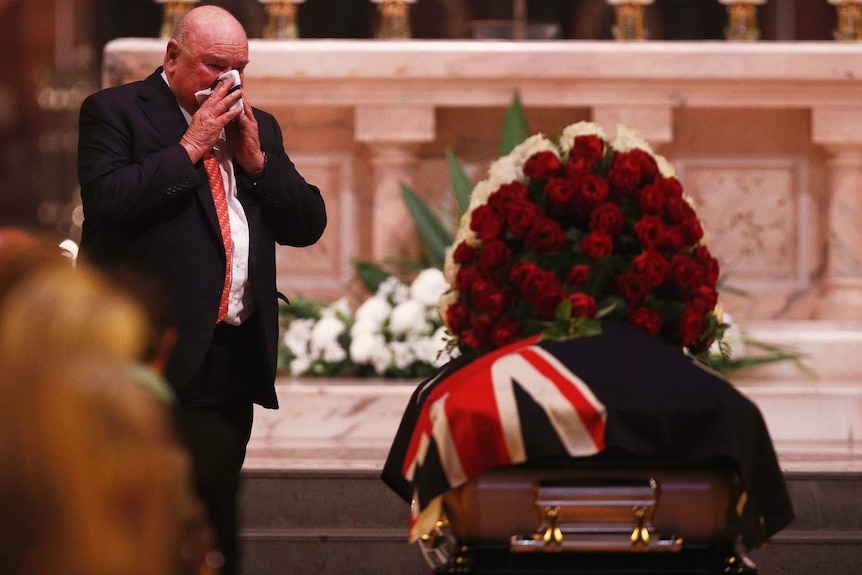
(293, 208)
(124, 176)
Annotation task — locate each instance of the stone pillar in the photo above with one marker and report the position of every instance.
(393, 136)
(654, 123)
(837, 130)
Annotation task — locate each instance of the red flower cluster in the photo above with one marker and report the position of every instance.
(588, 234)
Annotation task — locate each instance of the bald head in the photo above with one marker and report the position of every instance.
(207, 41)
(209, 20)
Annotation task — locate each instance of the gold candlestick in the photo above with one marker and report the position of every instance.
(742, 20)
(173, 10)
(849, 24)
(394, 18)
(281, 19)
(629, 19)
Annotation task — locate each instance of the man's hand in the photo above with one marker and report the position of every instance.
(209, 120)
(244, 141)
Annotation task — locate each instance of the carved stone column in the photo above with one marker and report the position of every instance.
(837, 131)
(655, 123)
(393, 136)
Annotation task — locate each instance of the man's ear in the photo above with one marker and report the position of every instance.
(172, 54)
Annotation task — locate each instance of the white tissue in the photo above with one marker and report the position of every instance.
(233, 77)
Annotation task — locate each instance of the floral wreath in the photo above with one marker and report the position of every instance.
(562, 235)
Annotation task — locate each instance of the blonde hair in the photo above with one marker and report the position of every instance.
(61, 314)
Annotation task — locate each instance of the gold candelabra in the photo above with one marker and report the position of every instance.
(849, 24)
(394, 18)
(172, 11)
(281, 19)
(629, 19)
(742, 20)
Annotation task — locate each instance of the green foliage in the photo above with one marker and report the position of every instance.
(435, 237)
(515, 127)
(370, 274)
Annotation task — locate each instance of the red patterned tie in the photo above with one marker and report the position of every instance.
(219, 198)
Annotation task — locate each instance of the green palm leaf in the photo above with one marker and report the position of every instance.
(435, 237)
(461, 185)
(515, 128)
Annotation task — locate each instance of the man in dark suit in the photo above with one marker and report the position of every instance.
(149, 204)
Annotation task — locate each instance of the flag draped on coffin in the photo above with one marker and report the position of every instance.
(621, 392)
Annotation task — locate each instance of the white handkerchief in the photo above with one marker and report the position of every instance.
(231, 76)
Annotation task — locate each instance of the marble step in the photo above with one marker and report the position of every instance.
(336, 522)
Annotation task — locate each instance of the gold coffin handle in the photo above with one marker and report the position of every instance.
(595, 517)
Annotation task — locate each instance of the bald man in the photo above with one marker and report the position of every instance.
(148, 177)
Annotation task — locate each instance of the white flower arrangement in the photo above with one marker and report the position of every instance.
(397, 332)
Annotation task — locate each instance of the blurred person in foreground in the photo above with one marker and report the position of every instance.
(94, 480)
(150, 157)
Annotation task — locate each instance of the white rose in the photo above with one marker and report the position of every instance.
(407, 317)
(325, 332)
(364, 346)
(572, 131)
(374, 310)
(365, 327)
(480, 194)
(333, 353)
(428, 286)
(299, 366)
(339, 306)
(403, 355)
(665, 168)
(629, 139)
(505, 170)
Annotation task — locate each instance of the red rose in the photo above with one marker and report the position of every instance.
(493, 255)
(486, 223)
(583, 305)
(521, 217)
(597, 245)
(546, 237)
(543, 293)
(505, 331)
(678, 210)
(625, 173)
(672, 239)
(652, 265)
(560, 195)
(490, 297)
(692, 231)
(689, 327)
(591, 191)
(478, 334)
(650, 231)
(648, 166)
(709, 263)
(542, 165)
(703, 299)
(506, 195)
(607, 218)
(520, 272)
(457, 317)
(686, 272)
(586, 151)
(578, 275)
(465, 278)
(650, 199)
(464, 253)
(647, 320)
(672, 188)
(633, 286)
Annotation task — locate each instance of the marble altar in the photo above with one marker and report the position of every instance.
(766, 137)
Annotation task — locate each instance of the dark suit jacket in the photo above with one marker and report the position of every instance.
(148, 207)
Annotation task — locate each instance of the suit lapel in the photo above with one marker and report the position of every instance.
(161, 109)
